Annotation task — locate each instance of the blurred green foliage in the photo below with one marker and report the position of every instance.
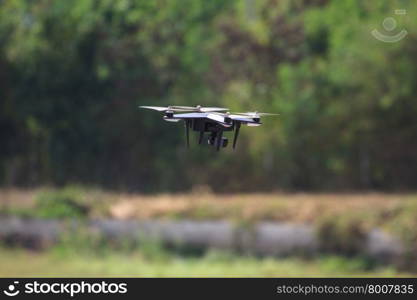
(72, 74)
(404, 226)
(344, 234)
(63, 203)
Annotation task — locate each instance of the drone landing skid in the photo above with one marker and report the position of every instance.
(215, 137)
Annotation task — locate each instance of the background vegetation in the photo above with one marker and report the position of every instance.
(341, 224)
(72, 74)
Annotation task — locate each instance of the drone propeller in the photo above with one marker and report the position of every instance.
(197, 108)
(255, 114)
(168, 108)
(200, 108)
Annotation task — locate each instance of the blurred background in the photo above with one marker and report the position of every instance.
(340, 157)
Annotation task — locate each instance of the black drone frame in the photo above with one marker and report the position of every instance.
(212, 120)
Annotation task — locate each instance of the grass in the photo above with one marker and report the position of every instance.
(20, 263)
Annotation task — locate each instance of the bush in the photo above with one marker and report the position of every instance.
(63, 203)
(341, 234)
(404, 226)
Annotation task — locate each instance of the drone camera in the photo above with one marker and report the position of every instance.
(212, 141)
(227, 120)
(169, 114)
(257, 120)
(224, 142)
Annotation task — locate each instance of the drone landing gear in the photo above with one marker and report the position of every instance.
(200, 137)
(212, 132)
(187, 132)
(236, 134)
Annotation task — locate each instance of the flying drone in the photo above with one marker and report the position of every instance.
(211, 120)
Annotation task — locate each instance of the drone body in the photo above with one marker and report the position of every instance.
(211, 120)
